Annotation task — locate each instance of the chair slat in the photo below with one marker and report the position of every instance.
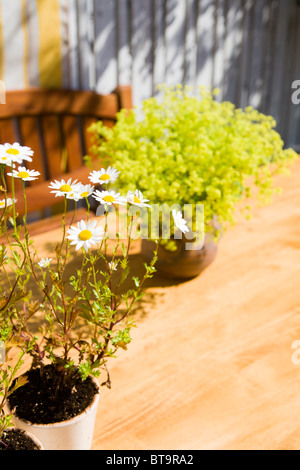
(7, 131)
(53, 145)
(88, 138)
(72, 143)
(124, 96)
(30, 137)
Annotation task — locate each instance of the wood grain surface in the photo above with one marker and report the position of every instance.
(210, 365)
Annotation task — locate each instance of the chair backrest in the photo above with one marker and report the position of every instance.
(54, 123)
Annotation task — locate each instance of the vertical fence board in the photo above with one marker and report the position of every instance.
(159, 45)
(219, 35)
(205, 42)
(259, 26)
(84, 51)
(190, 49)
(267, 88)
(233, 44)
(74, 59)
(175, 41)
(142, 67)
(123, 47)
(105, 46)
(65, 43)
(246, 54)
(276, 101)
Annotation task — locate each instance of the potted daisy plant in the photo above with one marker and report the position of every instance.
(81, 302)
(11, 437)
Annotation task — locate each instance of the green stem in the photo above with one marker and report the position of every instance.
(25, 213)
(105, 229)
(13, 201)
(3, 182)
(126, 255)
(88, 208)
(67, 243)
(59, 250)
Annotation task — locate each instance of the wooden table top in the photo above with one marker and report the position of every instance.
(210, 365)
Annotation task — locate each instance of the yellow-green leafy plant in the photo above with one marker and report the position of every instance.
(192, 149)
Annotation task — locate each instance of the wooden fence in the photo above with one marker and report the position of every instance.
(250, 49)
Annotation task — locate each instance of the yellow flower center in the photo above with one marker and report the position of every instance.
(85, 235)
(136, 200)
(12, 151)
(23, 174)
(3, 159)
(65, 188)
(108, 199)
(84, 194)
(104, 177)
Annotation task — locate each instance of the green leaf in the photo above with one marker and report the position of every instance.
(136, 281)
(124, 274)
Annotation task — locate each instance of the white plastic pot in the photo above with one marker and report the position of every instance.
(35, 440)
(73, 434)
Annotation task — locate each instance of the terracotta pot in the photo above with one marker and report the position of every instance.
(73, 434)
(182, 263)
(34, 440)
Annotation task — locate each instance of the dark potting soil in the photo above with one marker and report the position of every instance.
(35, 402)
(16, 439)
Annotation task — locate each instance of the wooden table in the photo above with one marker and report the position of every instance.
(210, 365)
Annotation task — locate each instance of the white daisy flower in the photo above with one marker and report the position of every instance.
(7, 160)
(24, 174)
(74, 196)
(179, 221)
(85, 234)
(86, 190)
(9, 202)
(63, 188)
(137, 199)
(113, 265)
(81, 191)
(109, 197)
(45, 262)
(104, 176)
(16, 152)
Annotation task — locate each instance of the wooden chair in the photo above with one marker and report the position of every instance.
(54, 124)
